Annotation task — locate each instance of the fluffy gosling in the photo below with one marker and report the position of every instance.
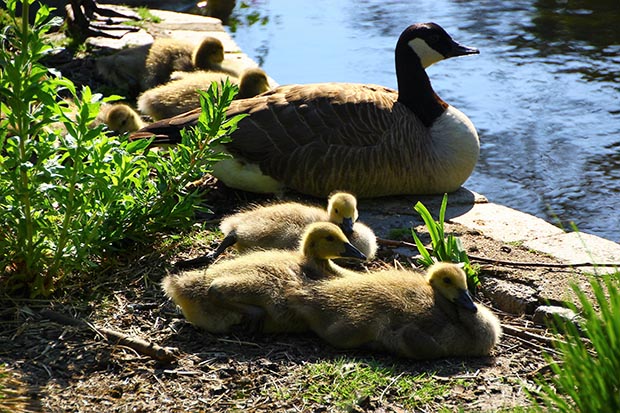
(400, 312)
(281, 226)
(251, 290)
(120, 118)
(140, 68)
(181, 95)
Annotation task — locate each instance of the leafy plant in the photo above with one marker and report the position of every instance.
(70, 194)
(448, 249)
(586, 376)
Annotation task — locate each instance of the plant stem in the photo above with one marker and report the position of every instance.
(22, 124)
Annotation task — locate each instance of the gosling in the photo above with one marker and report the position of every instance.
(250, 291)
(281, 225)
(181, 95)
(119, 118)
(169, 55)
(400, 312)
(140, 68)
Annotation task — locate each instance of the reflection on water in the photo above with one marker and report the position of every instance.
(543, 93)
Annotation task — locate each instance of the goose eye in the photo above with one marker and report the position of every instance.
(433, 39)
(330, 238)
(447, 280)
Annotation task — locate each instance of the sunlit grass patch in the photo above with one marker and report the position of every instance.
(346, 382)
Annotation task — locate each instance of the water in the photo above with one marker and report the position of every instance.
(544, 93)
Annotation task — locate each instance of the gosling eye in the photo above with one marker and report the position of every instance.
(330, 238)
(447, 280)
(336, 209)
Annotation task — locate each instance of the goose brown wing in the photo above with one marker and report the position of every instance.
(292, 117)
(301, 132)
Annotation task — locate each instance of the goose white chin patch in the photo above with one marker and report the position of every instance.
(427, 54)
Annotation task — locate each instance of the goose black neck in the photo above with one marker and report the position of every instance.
(414, 87)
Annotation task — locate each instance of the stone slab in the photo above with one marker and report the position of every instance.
(579, 247)
(506, 224)
(180, 21)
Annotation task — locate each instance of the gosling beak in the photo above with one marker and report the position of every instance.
(462, 50)
(464, 300)
(347, 226)
(351, 252)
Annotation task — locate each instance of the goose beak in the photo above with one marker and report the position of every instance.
(462, 50)
(464, 300)
(347, 226)
(351, 252)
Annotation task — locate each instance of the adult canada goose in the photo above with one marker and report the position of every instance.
(251, 289)
(181, 94)
(367, 139)
(400, 312)
(120, 118)
(282, 225)
(140, 68)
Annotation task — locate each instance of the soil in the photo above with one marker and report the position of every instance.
(59, 367)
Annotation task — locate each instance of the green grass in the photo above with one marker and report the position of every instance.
(145, 14)
(145, 17)
(343, 382)
(400, 234)
(443, 248)
(586, 377)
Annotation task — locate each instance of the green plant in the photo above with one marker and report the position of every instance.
(145, 16)
(448, 249)
(586, 376)
(70, 194)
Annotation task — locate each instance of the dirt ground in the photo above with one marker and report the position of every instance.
(59, 367)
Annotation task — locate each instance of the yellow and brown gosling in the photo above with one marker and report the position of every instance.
(120, 118)
(181, 95)
(140, 68)
(281, 225)
(400, 312)
(251, 291)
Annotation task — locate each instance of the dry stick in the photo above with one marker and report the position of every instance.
(394, 243)
(515, 331)
(164, 354)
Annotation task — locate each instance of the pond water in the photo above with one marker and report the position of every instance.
(544, 93)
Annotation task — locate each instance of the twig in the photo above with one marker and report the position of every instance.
(534, 345)
(163, 354)
(394, 243)
(515, 331)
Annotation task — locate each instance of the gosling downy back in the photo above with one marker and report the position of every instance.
(367, 139)
(252, 290)
(180, 95)
(400, 312)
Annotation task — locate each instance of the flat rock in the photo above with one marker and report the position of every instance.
(579, 247)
